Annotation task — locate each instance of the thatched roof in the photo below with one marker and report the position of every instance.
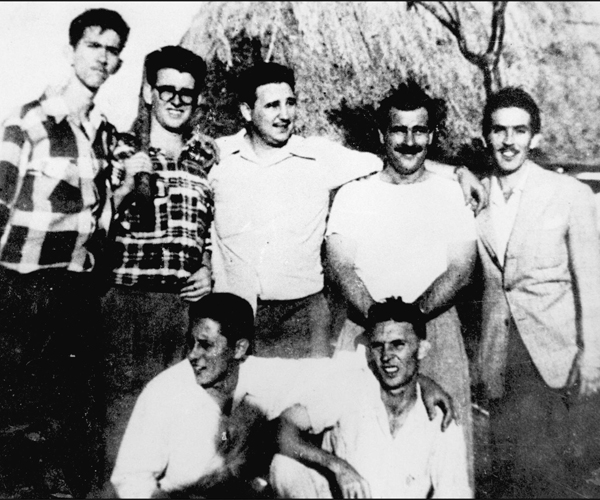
(348, 55)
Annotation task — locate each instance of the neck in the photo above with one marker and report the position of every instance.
(170, 142)
(79, 98)
(508, 181)
(398, 401)
(392, 176)
(262, 150)
(222, 392)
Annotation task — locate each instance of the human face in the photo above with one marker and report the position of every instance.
(510, 139)
(273, 115)
(211, 357)
(96, 56)
(172, 115)
(393, 354)
(406, 141)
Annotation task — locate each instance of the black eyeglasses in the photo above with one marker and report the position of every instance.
(167, 93)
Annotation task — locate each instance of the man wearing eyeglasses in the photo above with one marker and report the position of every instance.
(159, 233)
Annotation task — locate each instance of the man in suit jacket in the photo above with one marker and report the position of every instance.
(539, 355)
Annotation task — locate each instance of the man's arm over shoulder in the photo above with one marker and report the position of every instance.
(584, 256)
(342, 164)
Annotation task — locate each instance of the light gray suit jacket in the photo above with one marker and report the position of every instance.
(549, 283)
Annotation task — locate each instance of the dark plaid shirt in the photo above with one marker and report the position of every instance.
(162, 259)
(53, 187)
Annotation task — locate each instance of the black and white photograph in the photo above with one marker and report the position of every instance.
(300, 249)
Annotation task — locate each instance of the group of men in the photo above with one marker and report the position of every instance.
(82, 205)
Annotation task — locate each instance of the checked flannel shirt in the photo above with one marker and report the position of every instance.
(162, 259)
(54, 187)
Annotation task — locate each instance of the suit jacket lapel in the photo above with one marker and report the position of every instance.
(529, 211)
(485, 229)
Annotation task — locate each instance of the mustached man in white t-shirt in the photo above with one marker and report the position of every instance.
(406, 232)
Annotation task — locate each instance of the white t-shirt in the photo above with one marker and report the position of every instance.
(402, 231)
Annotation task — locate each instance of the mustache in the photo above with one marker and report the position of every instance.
(508, 149)
(409, 150)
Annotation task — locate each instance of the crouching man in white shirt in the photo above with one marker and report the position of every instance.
(378, 440)
(198, 428)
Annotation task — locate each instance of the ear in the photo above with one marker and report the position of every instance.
(424, 347)
(246, 111)
(241, 347)
(118, 66)
(147, 93)
(381, 137)
(430, 138)
(535, 141)
(69, 53)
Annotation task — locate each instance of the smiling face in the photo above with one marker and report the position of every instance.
(211, 357)
(96, 56)
(273, 115)
(393, 354)
(174, 114)
(510, 139)
(406, 140)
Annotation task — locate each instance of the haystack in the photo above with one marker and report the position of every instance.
(349, 55)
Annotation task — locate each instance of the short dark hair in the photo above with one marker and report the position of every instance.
(511, 97)
(395, 309)
(234, 314)
(408, 96)
(262, 74)
(105, 19)
(178, 58)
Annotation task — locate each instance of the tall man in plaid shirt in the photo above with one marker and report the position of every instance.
(55, 207)
(159, 242)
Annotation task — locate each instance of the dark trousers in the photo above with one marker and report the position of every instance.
(298, 328)
(145, 332)
(546, 442)
(50, 403)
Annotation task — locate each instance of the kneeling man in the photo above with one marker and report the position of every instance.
(378, 438)
(198, 428)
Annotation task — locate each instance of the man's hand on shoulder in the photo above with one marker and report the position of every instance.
(475, 193)
(433, 397)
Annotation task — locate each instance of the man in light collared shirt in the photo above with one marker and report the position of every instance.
(271, 195)
(378, 440)
(538, 365)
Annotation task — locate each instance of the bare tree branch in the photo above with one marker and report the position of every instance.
(486, 61)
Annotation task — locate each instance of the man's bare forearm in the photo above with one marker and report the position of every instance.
(345, 276)
(441, 294)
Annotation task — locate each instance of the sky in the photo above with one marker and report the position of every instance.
(34, 36)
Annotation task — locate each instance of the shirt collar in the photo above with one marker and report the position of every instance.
(239, 144)
(496, 195)
(55, 105)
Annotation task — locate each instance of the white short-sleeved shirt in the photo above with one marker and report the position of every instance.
(418, 458)
(170, 440)
(402, 231)
(270, 218)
